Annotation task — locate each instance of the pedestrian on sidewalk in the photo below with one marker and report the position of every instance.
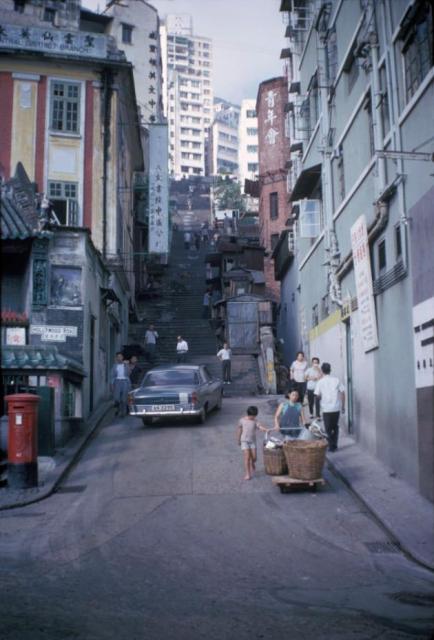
(187, 240)
(246, 434)
(206, 305)
(197, 240)
(151, 337)
(120, 384)
(135, 372)
(289, 419)
(225, 355)
(332, 395)
(181, 350)
(313, 374)
(297, 375)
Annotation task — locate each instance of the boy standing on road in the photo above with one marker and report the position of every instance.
(224, 355)
(332, 394)
(247, 427)
(120, 384)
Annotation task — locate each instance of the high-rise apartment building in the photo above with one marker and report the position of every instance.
(248, 141)
(187, 72)
(135, 26)
(223, 140)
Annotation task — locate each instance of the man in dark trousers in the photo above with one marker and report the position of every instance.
(224, 355)
(120, 384)
(332, 395)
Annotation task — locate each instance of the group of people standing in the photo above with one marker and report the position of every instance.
(124, 376)
(325, 396)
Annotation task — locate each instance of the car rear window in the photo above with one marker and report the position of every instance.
(161, 378)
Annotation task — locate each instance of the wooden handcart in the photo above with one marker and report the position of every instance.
(285, 483)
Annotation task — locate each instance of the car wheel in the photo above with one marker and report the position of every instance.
(146, 421)
(202, 415)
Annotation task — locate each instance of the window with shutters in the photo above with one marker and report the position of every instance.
(65, 106)
(64, 200)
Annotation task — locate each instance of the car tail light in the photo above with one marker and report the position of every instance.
(194, 398)
(130, 399)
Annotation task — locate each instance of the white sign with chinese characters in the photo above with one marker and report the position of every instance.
(272, 133)
(158, 189)
(363, 277)
(52, 40)
(51, 333)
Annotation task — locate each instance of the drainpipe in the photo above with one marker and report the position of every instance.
(106, 107)
(331, 244)
(377, 122)
(392, 89)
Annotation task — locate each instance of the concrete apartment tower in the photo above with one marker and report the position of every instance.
(223, 139)
(188, 100)
(135, 26)
(248, 141)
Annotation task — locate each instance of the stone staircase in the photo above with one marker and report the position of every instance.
(178, 311)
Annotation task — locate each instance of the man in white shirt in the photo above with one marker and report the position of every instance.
(151, 337)
(181, 350)
(120, 384)
(224, 355)
(332, 394)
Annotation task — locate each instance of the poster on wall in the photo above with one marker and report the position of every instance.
(364, 289)
(158, 190)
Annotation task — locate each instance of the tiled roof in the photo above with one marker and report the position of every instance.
(18, 215)
(40, 358)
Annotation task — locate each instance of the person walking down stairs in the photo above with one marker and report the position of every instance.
(151, 337)
(225, 355)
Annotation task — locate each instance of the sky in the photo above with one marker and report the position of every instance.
(248, 36)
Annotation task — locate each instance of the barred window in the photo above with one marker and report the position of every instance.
(65, 107)
(418, 47)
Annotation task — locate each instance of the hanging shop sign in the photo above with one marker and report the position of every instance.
(364, 289)
(51, 333)
(158, 189)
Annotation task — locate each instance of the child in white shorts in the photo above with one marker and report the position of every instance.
(246, 432)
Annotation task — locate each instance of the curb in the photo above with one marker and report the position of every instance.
(56, 477)
(412, 555)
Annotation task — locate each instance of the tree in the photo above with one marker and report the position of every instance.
(227, 194)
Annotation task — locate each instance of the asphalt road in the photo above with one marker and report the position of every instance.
(155, 536)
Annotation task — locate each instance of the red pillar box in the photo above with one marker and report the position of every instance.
(22, 440)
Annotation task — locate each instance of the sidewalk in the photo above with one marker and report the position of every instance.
(405, 514)
(51, 471)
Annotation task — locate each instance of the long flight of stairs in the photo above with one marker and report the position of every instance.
(178, 311)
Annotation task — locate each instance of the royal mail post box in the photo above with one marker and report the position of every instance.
(22, 440)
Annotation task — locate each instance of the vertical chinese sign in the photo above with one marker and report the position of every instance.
(363, 277)
(158, 190)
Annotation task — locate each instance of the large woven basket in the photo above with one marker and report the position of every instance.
(275, 462)
(305, 460)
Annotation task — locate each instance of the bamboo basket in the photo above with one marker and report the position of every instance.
(275, 462)
(305, 460)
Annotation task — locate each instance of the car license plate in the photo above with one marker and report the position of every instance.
(163, 407)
